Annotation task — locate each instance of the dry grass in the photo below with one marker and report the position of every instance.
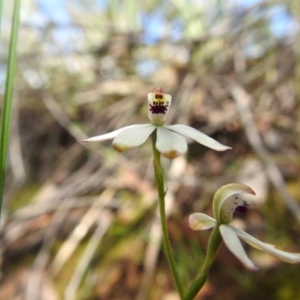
(82, 220)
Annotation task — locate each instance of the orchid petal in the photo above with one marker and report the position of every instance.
(288, 257)
(169, 143)
(198, 136)
(107, 136)
(132, 137)
(225, 193)
(200, 221)
(234, 245)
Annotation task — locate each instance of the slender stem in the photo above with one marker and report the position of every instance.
(9, 88)
(161, 195)
(1, 9)
(212, 249)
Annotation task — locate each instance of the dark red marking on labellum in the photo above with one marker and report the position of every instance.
(159, 107)
(242, 208)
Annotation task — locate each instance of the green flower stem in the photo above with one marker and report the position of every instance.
(161, 195)
(8, 95)
(212, 249)
(1, 9)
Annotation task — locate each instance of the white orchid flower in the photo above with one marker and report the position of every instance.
(225, 202)
(169, 141)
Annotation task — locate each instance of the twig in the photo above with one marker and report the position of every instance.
(80, 231)
(34, 283)
(63, 119)
(15, 152)
(104, 222)
(39, 209)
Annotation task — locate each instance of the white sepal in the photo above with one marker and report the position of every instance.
(106, 136)
(233, 243)
(288, 257)
(200, 221)
(170, 144)
(132, 137)
(198, 136)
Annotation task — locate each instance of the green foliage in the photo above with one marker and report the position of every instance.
(8, 96)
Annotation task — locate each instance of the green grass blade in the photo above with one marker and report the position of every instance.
(1, 7)
(5, 124)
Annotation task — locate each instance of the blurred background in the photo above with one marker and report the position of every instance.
(80, 222)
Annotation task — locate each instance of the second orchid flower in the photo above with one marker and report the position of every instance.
(225, 203)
